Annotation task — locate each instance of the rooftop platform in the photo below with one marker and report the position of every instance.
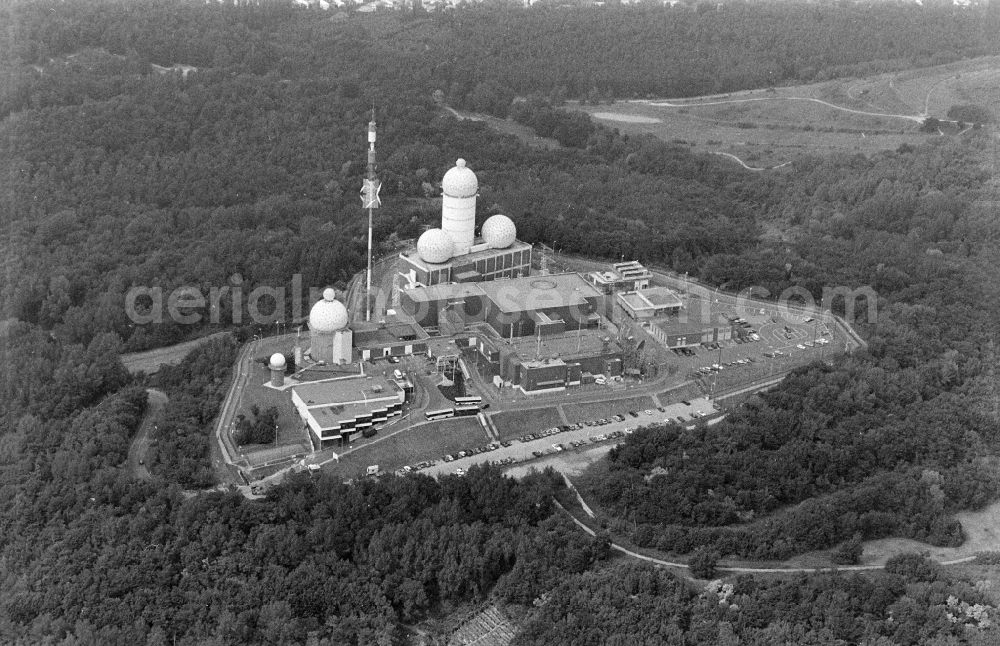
(540, 292)
(567, 346)
(348, 390)
(445, 292)
(660, 297)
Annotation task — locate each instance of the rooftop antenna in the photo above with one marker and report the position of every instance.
(370, 200)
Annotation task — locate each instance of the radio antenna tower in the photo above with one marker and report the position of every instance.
(371, 201)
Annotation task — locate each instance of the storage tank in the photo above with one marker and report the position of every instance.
(458, 206)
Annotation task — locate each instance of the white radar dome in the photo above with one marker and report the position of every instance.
(329, 314)
(434, 245)
(499, 231)
(460, 181)
(277, 361)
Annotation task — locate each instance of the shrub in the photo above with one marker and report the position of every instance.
(849, 553)
(703, 563)
(913, 567)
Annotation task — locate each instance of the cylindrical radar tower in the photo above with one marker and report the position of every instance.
(458, 206)
(277, 367)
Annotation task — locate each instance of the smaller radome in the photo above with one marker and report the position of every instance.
(329, 314)
(436, 246)
(277, 361)
(460, 181)
(499, 232)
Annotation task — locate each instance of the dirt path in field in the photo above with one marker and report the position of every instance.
(694, 104)
(744, 164)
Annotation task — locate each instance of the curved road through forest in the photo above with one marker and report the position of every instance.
(735, 568)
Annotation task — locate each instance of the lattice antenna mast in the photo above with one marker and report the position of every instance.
(370, 199)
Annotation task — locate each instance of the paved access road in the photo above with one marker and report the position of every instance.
(149, 361)
(155, 401)
(522, 451)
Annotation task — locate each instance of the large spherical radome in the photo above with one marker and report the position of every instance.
(328, 315)
(460, 181)
(434, 245)
(499, 231)
(277, 361)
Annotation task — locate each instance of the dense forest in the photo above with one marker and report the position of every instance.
(243, 172)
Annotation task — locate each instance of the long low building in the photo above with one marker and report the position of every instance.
(337, 410)
(513, 307)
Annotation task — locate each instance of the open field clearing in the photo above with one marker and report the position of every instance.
(935, 89)
(982, 534)
(762, 134)
(767, 128)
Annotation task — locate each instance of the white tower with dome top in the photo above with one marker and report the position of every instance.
(458, 206)
(330, 338)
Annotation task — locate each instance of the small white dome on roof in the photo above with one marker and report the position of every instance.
(277, 361)
(460, 181)
(499, 231)
(434, 245)
(329, 314)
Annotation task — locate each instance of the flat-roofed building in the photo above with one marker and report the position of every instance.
(516, 307)
(650, 303)
(338, 410)
(545, 363)
(388, 338)
(674, 333)
(547, 304)
(482, 263)
(447, 307)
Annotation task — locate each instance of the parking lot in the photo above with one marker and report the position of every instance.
(768, 343)
(545, 442)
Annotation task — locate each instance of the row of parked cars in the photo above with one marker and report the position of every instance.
(716, 367)
(581, 442)
(492, 446)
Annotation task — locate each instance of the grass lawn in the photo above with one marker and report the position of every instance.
(515, 423)
(412, 445)
(686, 392)
(289, 423)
